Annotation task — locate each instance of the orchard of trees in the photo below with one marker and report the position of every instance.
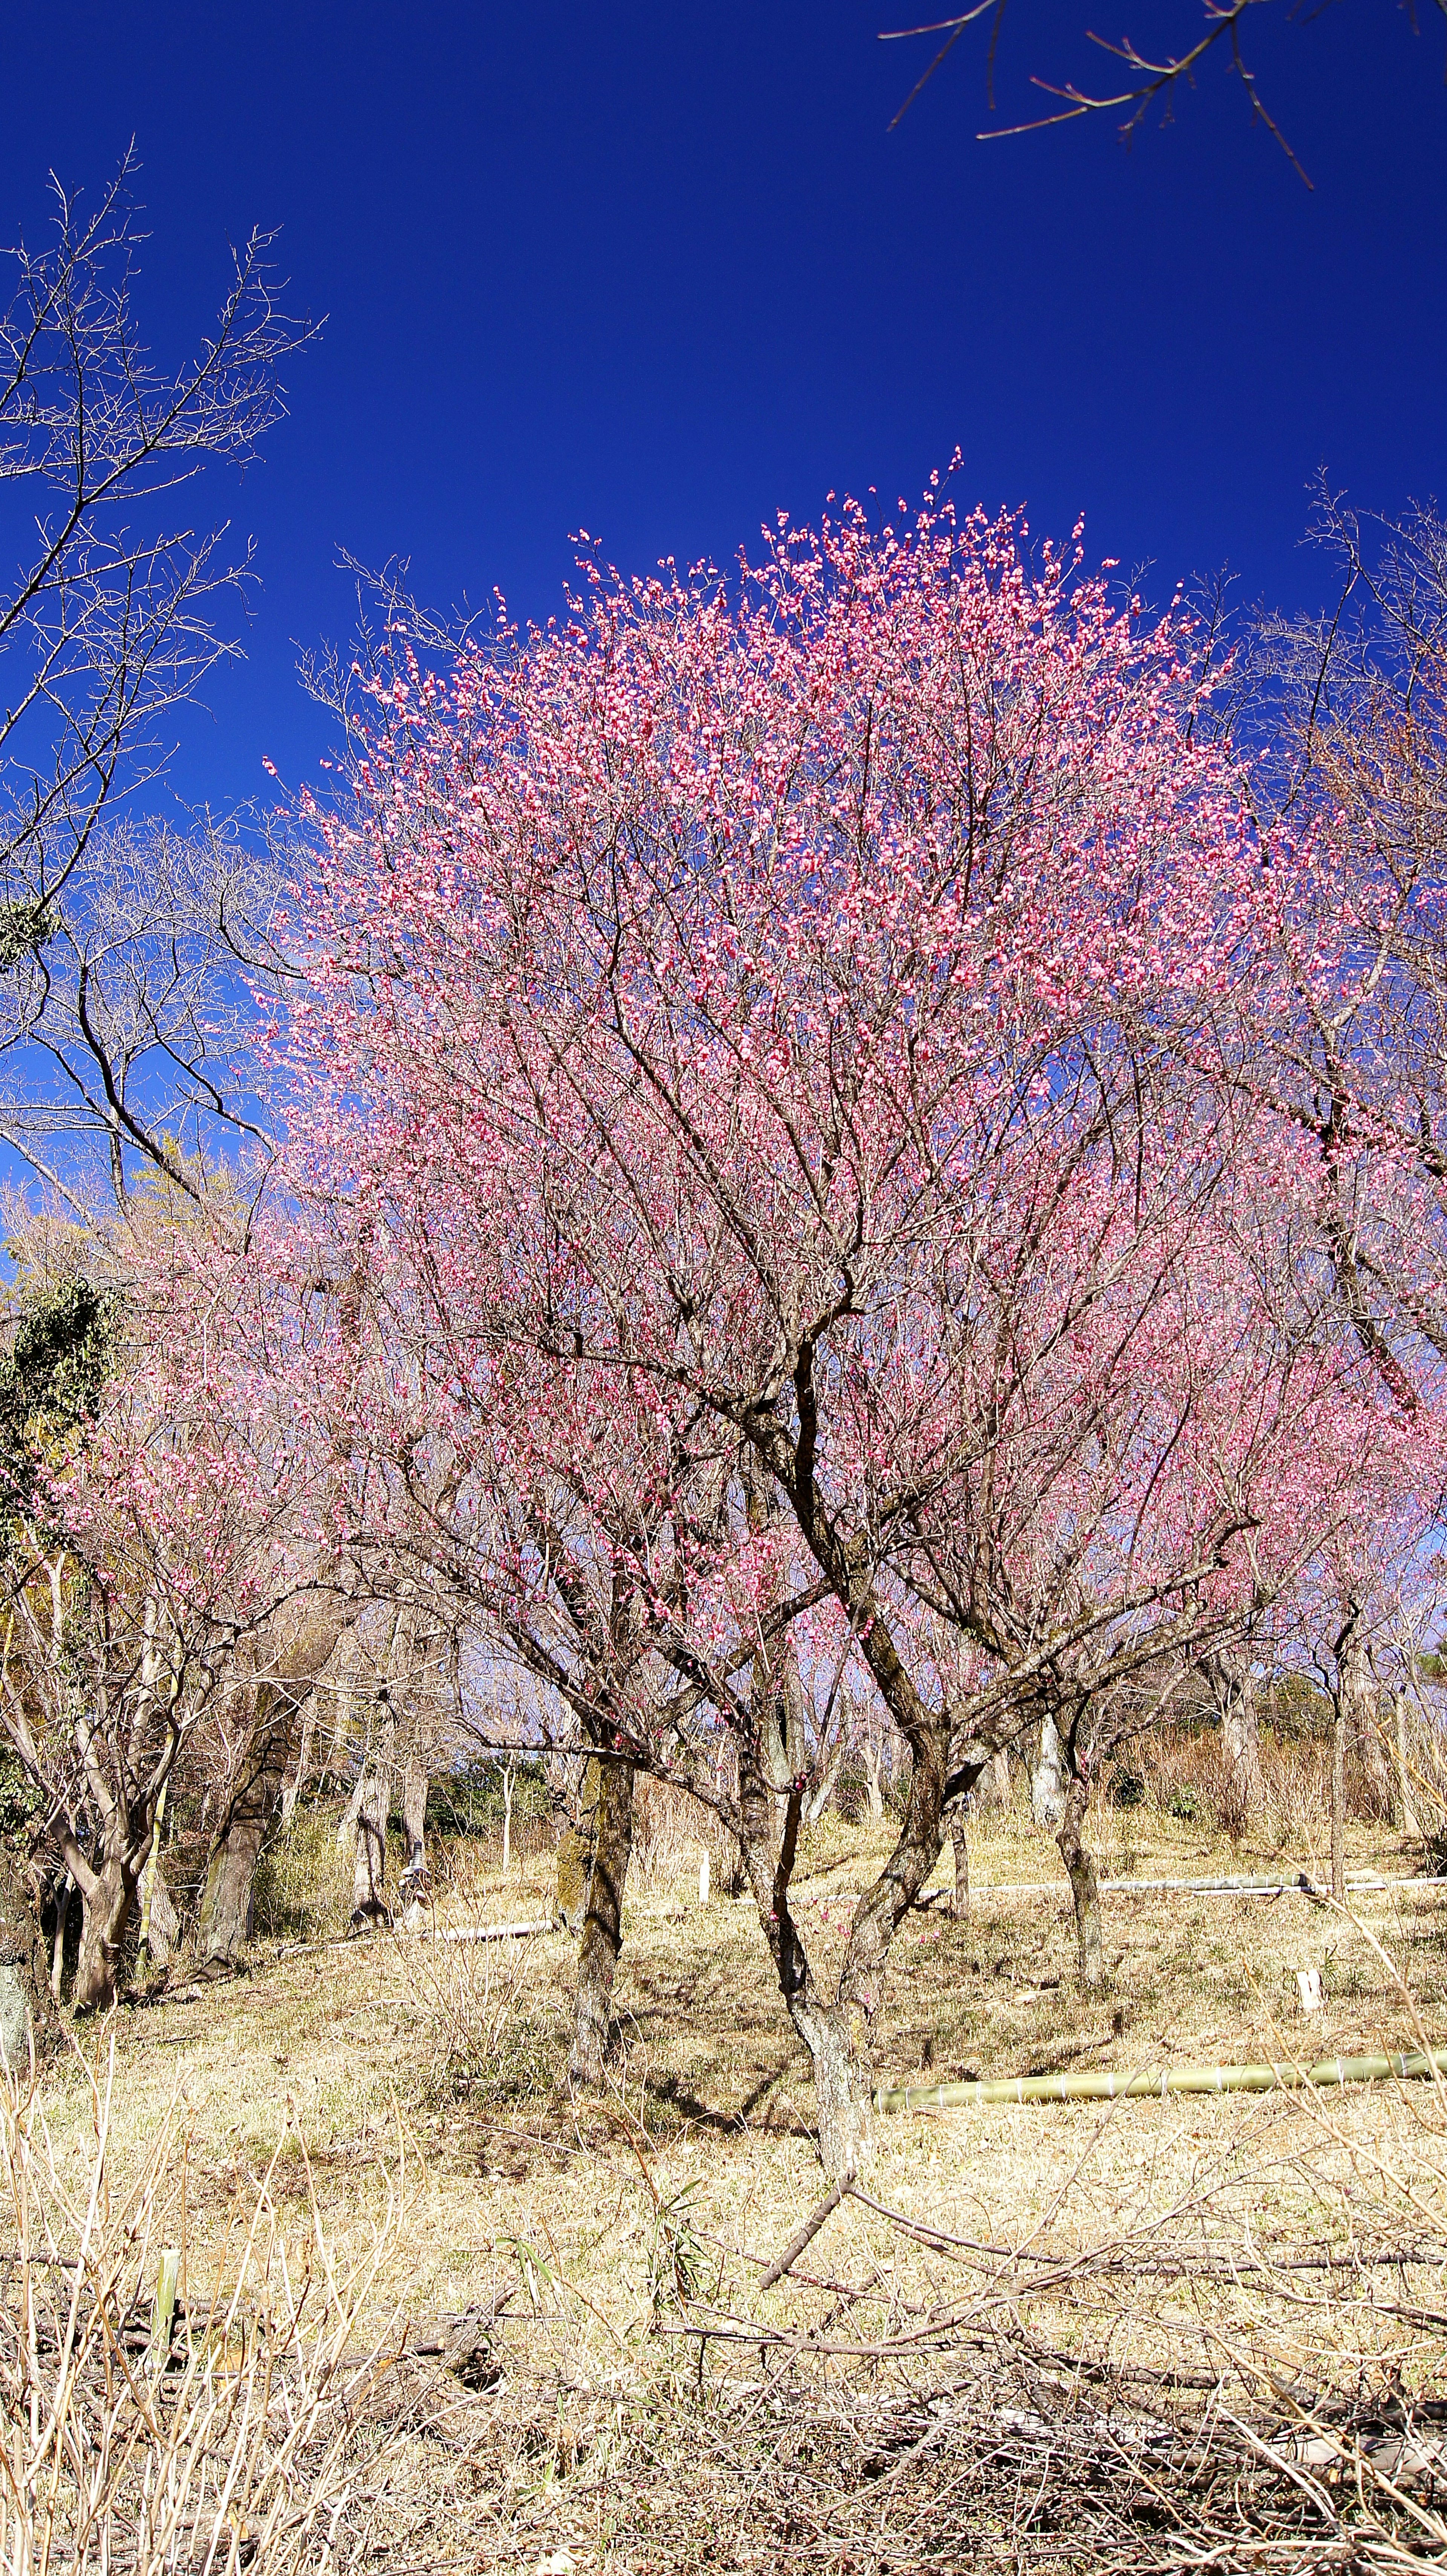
(852, 1150)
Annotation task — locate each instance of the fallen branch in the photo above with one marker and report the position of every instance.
(806, 2235)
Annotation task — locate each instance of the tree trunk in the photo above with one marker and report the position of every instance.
(105, 1911)
(873, 1774)
(1233, 1688)
(27, 2007)
(1351, 1730)
(272, 1763)
(229, 1896)
(369, 1870)
(1338, 1801)
(1407, 1817)
(602, 1935)
(62, 1916)
(1047, 1778)
(842, 2094)
(160, 1923)
(992, 1797)
(414, 1882)
(1084, 1882)
(960, 1904)
(1364, 1737)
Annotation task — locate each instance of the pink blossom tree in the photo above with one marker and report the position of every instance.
(168, 1496)
(758, 1014)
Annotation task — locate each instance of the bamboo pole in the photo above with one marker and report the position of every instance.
(1102, 2086)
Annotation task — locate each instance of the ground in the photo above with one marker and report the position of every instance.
(416, 2090)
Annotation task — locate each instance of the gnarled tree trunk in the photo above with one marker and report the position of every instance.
(602, 1931)
(107, 1895)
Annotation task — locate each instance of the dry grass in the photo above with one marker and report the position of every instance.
(1055, 2340)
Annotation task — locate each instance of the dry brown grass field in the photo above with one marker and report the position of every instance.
(1185, 2332)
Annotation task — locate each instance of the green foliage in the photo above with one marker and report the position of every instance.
(469, 1801)
(1127, 1789)
(20, 1799)
(1184, 1803)
(1298, 1708)
(51, 1379)
(24, 928)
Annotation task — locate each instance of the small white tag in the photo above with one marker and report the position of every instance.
(1308, 1983)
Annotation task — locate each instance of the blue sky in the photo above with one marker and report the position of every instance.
(658, 270)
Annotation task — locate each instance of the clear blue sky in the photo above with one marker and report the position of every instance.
(657, 270)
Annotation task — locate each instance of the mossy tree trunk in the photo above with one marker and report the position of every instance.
(27, 2007)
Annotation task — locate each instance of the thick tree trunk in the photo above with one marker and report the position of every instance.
(369, 1869)
(577, 1845)
(228, 1898)
(1084, 1882)
(992, 1797)
(602, 1934)
(842, 2093)
(106, 1904)
(1233, 1688)
(960, 1902)
(1047, 1778)
(272, 1757)
(160, 1923)
(27, 2007)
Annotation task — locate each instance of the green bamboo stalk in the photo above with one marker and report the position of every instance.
(1101, 2086)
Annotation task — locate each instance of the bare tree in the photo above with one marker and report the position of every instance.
(117, 950)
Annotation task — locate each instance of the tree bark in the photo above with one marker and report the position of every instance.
(283, 1687)
(414, 1880)
(843, 2099)
(1047, 1777)
(1338, 1801)
(1349, 1724)
(960, 1902)
(602, 1934)
(107, 1895)
(27, 2006)
(1084, 1881)
(1408, 1821)
(1233, 1689)
(1364, 1737)
(62, 1916)
(229, 1897)
(992, 1797)
(369, 1869)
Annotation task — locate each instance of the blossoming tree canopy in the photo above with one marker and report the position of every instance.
(775, 1008)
